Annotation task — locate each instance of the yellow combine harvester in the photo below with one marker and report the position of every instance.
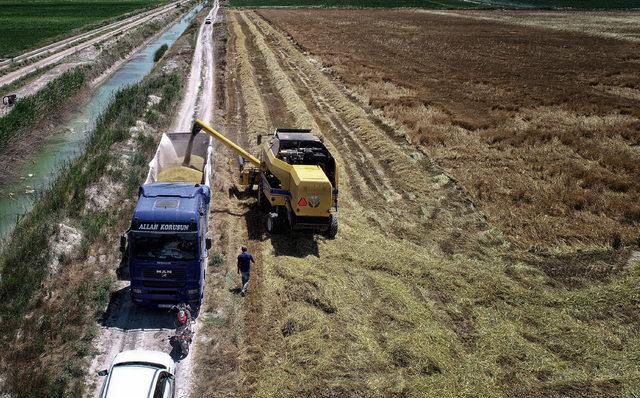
(296, 175)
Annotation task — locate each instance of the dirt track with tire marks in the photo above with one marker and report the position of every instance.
(126, 326)
(379, 170)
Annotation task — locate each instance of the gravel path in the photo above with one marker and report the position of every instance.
(126, 326)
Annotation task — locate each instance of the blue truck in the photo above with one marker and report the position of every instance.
(165, 248)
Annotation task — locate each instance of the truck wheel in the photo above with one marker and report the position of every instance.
(332, 231)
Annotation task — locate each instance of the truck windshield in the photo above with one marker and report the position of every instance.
(165, 246)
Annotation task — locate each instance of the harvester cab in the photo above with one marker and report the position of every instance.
(296, 178)
(300, 147)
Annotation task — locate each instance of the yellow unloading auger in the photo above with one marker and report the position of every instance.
(296, 178)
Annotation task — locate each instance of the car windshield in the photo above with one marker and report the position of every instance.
(130, 381)
(165, 246)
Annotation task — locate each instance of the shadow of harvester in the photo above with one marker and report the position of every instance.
(285, 243)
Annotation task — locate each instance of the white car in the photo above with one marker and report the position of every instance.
(207, 21)
(140, 374)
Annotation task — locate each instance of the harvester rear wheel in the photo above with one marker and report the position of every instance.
(332, 231)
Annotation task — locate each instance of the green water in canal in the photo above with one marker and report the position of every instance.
(17, 198)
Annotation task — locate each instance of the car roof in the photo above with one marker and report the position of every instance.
(131, 381)
(157, 358)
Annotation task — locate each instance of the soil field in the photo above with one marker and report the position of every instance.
(420, 294)
(536, 114)
(29, 24)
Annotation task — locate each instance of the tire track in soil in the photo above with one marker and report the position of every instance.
(124, 325)
(237, 221)
(251, 85)
(298, 115)
(373, 173)
(424, 189)
(357, 139)
(256, 120)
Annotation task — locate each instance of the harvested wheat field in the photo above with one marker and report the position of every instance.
(463, 143)
(536, 114)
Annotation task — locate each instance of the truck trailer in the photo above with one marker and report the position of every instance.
(165, 248)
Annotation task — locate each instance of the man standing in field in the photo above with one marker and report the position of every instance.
(244, 267)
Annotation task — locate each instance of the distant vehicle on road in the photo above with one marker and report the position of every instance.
(140, 374)
(207, 21)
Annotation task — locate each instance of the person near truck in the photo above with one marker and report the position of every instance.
(244, 267)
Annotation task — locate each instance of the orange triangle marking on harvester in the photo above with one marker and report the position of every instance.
(302, 202)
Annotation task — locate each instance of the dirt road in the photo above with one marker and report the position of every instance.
(63, 52)
(60, 45)
(199, 93)
(125, 326)
(88, 56)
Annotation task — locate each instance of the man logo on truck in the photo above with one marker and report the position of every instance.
(164, 272)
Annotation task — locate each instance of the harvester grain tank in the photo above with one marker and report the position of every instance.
(165, 248)
(296, 178)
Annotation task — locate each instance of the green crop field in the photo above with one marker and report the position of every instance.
(575, 4)
(28, 24)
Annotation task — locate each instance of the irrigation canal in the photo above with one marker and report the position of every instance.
(17, 198)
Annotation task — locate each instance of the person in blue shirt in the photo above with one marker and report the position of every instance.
(244, 267)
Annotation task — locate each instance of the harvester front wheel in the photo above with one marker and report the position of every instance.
(332, 231)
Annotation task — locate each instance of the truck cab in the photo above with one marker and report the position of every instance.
(165, 248)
